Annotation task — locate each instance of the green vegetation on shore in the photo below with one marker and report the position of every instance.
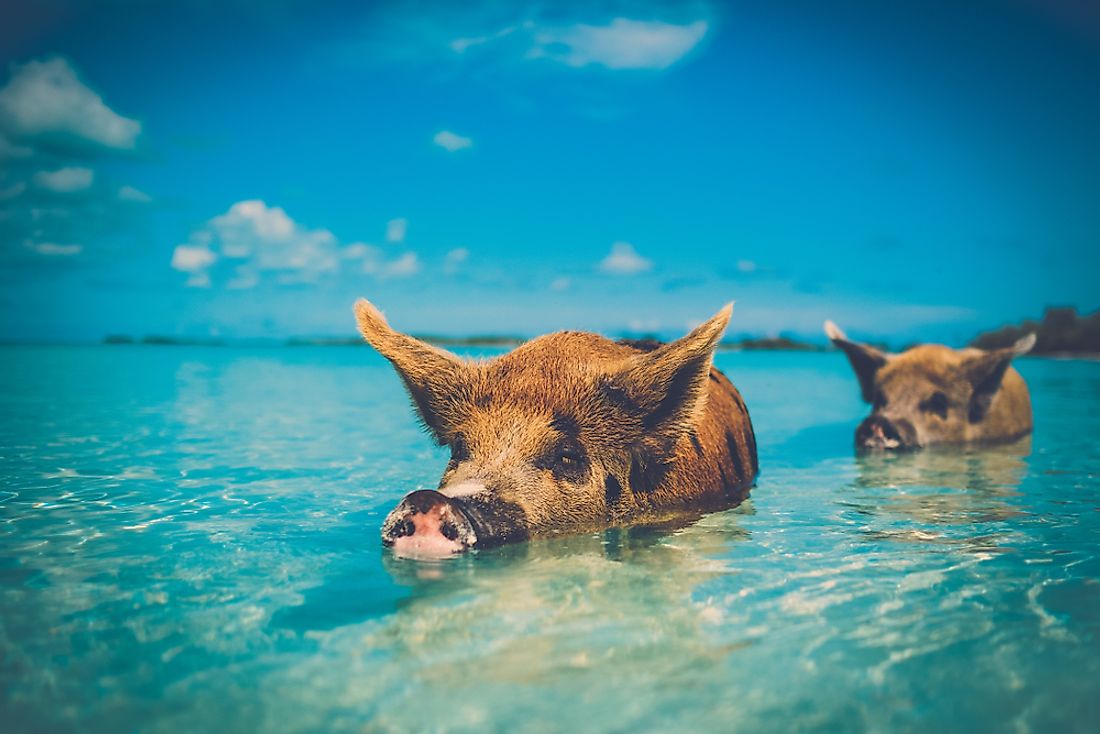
(1061, 331)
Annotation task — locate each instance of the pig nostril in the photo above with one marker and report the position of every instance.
(450, 532)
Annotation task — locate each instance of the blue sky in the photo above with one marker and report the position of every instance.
(912, 170)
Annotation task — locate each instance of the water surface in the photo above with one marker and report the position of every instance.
(189, 542)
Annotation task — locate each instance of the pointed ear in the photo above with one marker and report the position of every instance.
(865, 359)
(663, 390)
(437, 381)
(985, 372)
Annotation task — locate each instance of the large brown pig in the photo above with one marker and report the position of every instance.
(931, 394)
(568, 432)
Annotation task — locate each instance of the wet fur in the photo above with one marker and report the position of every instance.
(987, 399)
(659, 429)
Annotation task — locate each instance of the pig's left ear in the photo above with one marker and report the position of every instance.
(985, 372)
(866, 361)
(664, 388)
(436, 380)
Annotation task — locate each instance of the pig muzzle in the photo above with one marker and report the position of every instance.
(879, 432)
(429, 524)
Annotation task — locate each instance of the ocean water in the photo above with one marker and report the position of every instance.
(189, 542)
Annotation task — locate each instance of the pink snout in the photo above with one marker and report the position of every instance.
(428, 524)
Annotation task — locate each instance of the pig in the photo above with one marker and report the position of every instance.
(568, 432)
(931, 394)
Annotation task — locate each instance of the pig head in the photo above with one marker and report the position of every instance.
(568, 432)
(931, 394)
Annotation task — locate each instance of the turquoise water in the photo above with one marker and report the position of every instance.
(189, 542)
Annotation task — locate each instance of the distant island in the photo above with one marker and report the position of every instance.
(477, 340)
(1061, 331)
(748, 343)
(770, 343)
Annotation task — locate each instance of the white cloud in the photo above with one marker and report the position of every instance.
(373, 261)
(560, 284)
(451, 141)
(359, 251)
(253, 242)
(129, 193)
(454, 259)
(622, 44)
(259, 239)
(624, 260)
(65, 180)
(459, 45)
(746, 266)
(404, 266)
(192, 258)
(396, 229)
(401, 267)
(55, 250)
(47, 98)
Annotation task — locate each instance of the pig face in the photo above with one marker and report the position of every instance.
(546, 438)
(931, 394)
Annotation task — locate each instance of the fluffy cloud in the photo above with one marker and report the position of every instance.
(53, 206)
(374, 261)
(454, 260)
(396, 229)
(46, 99)
(252, 242)
(625, 260)
(459, 45)
(129, 193)
(404, 266)
(64, 180)
(51, 249)
(450, 141)
(252, 238)
(622, 44)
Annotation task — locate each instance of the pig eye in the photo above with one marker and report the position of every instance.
(880, 401)
(567, 461)
(937, 404)
(567, 457)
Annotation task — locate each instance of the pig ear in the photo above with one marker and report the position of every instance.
(865, 359)
(436, 380)
(664, 388)
(985, 372)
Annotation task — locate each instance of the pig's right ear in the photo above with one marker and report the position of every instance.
(664, 390)
(436, 380)
(865, 359)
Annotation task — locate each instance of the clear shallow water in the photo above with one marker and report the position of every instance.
(189, 542)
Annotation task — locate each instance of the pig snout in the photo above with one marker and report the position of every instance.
(428, 524)
(879, 432)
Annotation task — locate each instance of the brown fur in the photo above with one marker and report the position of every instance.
(650, 431)
(937, 395)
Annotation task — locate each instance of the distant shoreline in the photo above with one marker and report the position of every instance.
(743, 345)
(748, 344)
(1062, 334)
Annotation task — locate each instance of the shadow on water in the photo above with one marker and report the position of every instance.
(959, 495)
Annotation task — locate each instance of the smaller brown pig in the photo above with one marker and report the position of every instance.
(568, 432)
(931, 394)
